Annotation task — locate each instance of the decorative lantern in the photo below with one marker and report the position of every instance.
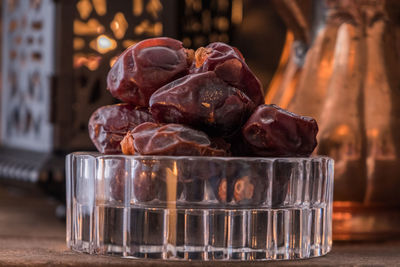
(56, 56)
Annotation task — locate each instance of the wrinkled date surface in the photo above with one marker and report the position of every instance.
(272, 131)
(146, 185)
(109, 124)
(143, 68)
(228, 63)
(203, 101)
(169, 139)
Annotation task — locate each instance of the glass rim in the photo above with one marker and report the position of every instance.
(158, 157)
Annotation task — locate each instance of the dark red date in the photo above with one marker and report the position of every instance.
(118, 178)
(228, 63)
(109, 124)
(203, 101)
(145, 185)
(169, 139)
(272, 131)
(143, 68)
(240, 184)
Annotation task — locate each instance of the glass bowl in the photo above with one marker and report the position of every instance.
(206, 208)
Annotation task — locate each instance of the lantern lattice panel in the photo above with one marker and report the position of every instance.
(28, 66)
(102, 29)
(206, 21)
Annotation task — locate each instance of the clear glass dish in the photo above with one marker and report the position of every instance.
(206, 208)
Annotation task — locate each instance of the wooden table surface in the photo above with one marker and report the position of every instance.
(31, 235)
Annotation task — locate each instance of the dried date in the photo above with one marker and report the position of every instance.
(243, 189)
(145, 185)
(194, 174)
(229, 65)
(118, 180)
(143, 68)
(272, 131)
(150, 182)
(241, 184)
(203, 101)
(109, 124)
(169, 139)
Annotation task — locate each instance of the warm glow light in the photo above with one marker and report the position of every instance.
(119, 25)
(196, 5)
(137, 7)
(171, 181)
(92, 27)
(288, 94)
(223, 5)
(341, 216)
(128, 43)
(79, 43)
(342, 130)
(92, 62)
(112, 61)
(278, 77)
(373, 133)
(103, 44)
(84, 8)
(145, 27)
(154, 7)
(100, 6)
(237, 11)
(221, 23)
(158, 29)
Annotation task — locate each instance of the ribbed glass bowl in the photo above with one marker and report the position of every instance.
(205, 208)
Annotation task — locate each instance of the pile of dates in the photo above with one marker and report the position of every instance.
(180, 102)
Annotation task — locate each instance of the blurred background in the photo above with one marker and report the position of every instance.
(338, 61)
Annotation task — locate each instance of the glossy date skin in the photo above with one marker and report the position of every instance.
(146, 186)
(109, 124)
(229, 65)
(203, 101)
(168, 139)
(275, 132)
(143, 68)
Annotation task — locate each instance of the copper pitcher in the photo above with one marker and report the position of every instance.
(341, 65)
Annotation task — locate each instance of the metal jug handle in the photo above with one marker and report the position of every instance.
(303, 18)
(296, 17)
